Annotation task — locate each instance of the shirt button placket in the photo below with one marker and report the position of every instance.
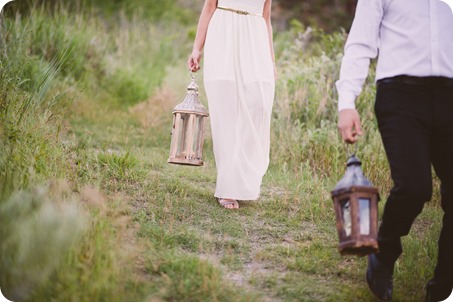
(434, 37)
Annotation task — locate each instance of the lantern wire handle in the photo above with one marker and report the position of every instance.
(193, 75)
(348, 150)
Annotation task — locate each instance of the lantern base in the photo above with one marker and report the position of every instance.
(185, 161)
(358, 248)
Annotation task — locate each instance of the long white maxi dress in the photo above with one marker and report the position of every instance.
(240, 85)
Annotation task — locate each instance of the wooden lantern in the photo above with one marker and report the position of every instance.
(356, 210)
(189, 120)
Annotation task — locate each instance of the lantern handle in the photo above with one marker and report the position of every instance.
(348, 149)
(193, 75)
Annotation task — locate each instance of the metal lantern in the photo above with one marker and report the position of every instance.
(356, 210)
(189, 120)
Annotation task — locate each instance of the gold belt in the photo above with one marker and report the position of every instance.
(240, 12)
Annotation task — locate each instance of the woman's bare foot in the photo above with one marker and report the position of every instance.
(229, 203)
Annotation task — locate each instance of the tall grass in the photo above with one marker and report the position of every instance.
(29, 99)
(305, 110)
(40, 222)
(57, 59)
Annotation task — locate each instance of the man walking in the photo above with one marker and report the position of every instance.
(413, 41)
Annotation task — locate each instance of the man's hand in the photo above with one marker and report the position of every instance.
(349, 125)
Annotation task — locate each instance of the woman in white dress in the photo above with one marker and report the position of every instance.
(239, 78)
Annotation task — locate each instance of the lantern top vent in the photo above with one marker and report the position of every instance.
(191, 103)
(353, 177)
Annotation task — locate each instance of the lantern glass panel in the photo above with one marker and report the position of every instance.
(197, 142)
(196, 134)
(182, 135)
(364, 216)
(347, 221)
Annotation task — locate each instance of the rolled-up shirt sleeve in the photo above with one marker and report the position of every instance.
(361, 46)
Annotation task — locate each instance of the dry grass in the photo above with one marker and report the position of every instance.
(154, 112)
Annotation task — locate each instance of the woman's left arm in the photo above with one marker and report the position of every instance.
(267, 18)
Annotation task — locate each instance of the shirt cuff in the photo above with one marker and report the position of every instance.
(346, 101)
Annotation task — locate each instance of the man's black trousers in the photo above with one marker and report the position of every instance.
(415, 119)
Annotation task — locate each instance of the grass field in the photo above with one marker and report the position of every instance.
(91, 211)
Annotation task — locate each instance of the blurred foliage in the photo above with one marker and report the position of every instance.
(155, 10)
(329, 15)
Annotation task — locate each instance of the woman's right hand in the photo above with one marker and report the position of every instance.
(194, 61)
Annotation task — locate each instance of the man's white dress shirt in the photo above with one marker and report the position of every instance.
(409, 37)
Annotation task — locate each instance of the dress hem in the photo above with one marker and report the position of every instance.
(238, 198)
